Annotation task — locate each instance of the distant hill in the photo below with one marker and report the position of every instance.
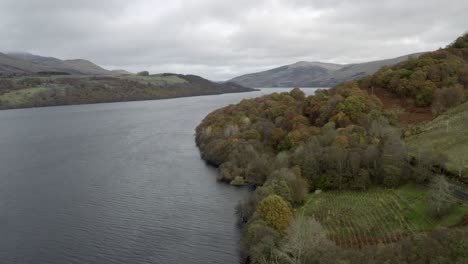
(35, 91)
(314, 74)
(11, 65)
(30, 64)
(86, 67)
(120, 71)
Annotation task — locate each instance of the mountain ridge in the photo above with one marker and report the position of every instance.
(23, 63)
(315, 74)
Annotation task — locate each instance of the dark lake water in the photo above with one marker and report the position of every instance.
(114, 183)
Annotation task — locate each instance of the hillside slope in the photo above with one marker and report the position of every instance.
(10, 65)
(313, 153)
(419, 89)
(448, 135)
(86, 67)
(314, 74)
(23, 92)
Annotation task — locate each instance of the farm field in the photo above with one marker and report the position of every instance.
(356, 219)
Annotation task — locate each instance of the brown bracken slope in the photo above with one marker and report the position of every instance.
(405, 109)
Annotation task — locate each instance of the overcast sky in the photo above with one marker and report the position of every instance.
(221, 39)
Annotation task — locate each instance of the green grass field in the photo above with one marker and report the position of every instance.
(376, 216)
(447, 134)
(158, 80)
(22, 96)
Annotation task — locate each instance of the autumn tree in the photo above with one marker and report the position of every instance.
(297, 94)
(258, 169)
(276, 212)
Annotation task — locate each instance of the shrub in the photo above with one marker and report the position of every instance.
(298, 187)
(447, 97)
(229, 171)
(143, 73)
(30, 82)
(245, 208)
(238, 181)
(361, 181)
(6, 84)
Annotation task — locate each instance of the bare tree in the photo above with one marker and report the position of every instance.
(460, 160)
(440, 196)
(304, 238)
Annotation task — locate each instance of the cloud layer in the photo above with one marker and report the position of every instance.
(222, 39)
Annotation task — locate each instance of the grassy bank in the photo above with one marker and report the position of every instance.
(447, 134)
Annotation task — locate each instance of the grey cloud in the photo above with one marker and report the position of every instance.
(222, 39)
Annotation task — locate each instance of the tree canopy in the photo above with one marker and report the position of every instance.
(422, 78)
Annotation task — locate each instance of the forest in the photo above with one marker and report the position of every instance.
(436, 80)
(318, 162)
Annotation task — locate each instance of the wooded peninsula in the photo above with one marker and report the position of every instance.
(370, 171)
